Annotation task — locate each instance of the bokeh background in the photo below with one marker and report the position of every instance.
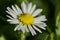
(51, 8)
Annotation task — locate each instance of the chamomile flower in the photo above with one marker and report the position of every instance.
(25, 18)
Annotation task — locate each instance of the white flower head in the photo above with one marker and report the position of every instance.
(26, 19)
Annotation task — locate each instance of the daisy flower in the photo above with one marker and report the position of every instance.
(25, 18)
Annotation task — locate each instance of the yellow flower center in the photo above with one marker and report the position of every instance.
(26, 18)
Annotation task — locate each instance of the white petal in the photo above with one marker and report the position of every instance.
(39, 19)
(13, 21)
(9, 17)
(37, 12)
(40, 25)
(37, 29)
(21, 27)
(14, 16)
(18, 9)
(26, 28)
(10, 10)
(16, 28)
(23, 6)
(29, 7)
(32, 30)
(33, 8)
(14, 9)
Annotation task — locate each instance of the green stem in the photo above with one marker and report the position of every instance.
(22, 36)
(52, 36)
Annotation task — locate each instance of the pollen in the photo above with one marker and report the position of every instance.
(26, 18)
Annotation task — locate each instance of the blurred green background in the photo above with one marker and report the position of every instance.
(51, 8)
